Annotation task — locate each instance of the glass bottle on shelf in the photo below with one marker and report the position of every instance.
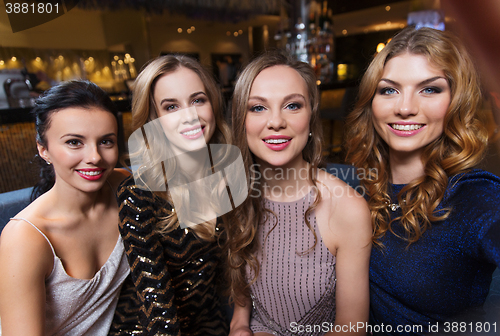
(320, 41)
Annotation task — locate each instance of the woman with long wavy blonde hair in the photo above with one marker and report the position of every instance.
(299, 252)
(176, 114)
(415, 137)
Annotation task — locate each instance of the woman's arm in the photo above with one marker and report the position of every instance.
(26, 259)
(240, 323)
(351, 227)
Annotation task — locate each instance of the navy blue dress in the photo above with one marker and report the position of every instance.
(446, 274)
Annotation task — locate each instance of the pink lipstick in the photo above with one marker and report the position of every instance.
(193, 132)
(277, 142)
(406, 129)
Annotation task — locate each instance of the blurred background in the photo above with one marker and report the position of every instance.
(108, 42)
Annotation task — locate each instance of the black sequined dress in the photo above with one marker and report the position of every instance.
(175, 275)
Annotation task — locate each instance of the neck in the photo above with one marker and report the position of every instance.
(285, 183)
(194, 165)
(405, 167)
(76, 202)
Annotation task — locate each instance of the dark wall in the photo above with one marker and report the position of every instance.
(344, 6)
(358, 50)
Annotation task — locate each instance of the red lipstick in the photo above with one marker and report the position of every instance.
(91, 174)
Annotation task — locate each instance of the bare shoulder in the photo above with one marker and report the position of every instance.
(23, 249)
(349, 210)
(338, 191)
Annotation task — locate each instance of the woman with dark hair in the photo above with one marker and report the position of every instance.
(171, 239)
(299, 255)
(62, 258)
(436, 220)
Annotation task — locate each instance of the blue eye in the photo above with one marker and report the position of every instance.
(257, 108)
(388, 91)
(294, 106)
(431, 90)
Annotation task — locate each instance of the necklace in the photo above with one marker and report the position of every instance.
(394, 206)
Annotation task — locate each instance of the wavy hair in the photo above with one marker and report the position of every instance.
(144, 110)
(459, 148)
(73, 93)
(241, 242)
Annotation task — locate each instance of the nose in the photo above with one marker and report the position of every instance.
(92, 155)
(406, 106)
(189, 115)
(276, 120)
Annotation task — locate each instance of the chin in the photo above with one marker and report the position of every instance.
(277, 163)
(196, 147)
(91, 189)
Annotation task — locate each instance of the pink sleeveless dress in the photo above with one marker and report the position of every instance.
(295, 288)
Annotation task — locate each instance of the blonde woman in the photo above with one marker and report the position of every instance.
(298, 257)
(174, 267)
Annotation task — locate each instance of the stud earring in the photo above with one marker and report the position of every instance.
(310, 134)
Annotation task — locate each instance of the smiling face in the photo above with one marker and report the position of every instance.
(410, 104)
(184, 110)
(278, 117)
(81, 144)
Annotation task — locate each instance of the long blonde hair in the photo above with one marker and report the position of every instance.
(457, 150)
(241, 234)
(144, 110)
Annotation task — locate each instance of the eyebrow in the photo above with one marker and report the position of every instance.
(191, 96)
(290, 96)
(79, 136)
(73, 136)
(424, 82)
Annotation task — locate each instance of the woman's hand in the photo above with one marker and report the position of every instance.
(240, 323)
(241, 331)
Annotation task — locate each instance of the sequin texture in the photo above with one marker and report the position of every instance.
(175, 275)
